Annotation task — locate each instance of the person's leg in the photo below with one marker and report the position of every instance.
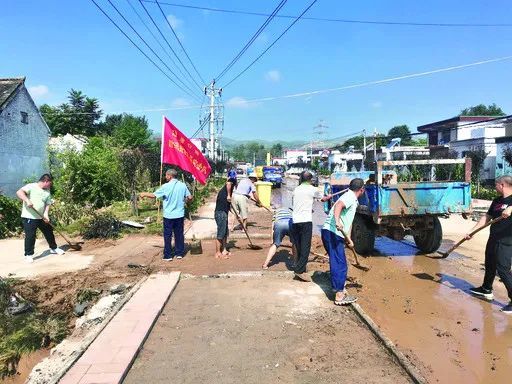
(244, 210)
(218, 248)
(167, 239)
(225, 226)
(304, 246)
(48, 234)
(490, 264)
(30, 228)
(296, 242)
(335, 247)
(179, 237)
(271, 252)
(504, 263)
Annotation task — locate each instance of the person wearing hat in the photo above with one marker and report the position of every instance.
(244, 191)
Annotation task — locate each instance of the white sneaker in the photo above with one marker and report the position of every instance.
(29, 259)
(57, 251)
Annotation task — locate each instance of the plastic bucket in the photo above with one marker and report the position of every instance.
(264, 190)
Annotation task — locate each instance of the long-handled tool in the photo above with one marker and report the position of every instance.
(351, 247)
(261, 205)
(73, 246)
(251, 245)
(458, 243)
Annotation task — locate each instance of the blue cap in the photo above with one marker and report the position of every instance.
(232, 174)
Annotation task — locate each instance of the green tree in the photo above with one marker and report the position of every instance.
(132, 132)
(79, 116)
(403, 132)
(482, 110)
(276, 150)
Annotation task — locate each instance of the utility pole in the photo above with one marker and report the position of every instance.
(375, 145)
(215, 114)
(364, 149)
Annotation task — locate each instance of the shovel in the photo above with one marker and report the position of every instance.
(73, 246)
(458, 243)
(251, 245)
(357, 264)
(262, 206)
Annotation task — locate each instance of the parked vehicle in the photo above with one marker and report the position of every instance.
(273, 175)
(396, 209)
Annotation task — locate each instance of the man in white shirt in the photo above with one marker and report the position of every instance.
(302, 227)
(337, 225)
(34, 215)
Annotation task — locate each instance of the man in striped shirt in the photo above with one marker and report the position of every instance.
(282, 227)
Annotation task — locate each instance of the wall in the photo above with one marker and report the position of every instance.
(489, 145)
(502, 167)
(23, 147)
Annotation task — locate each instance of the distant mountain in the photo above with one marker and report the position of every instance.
(297, 144)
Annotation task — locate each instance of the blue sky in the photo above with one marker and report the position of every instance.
(60, 45)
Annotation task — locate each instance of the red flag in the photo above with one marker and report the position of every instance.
(177, 149)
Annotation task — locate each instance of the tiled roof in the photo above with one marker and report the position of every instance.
(8, 88)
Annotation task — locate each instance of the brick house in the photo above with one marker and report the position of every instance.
(24, 136)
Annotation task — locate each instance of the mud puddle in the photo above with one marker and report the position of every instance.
(421, 303)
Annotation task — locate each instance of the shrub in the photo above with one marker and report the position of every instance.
(102, 226)
(10, 223)
(92, 176)
(484, 193)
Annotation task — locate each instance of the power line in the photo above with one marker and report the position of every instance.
(152, 50)
(349, 21)
(271, 45)
(376, 82)
(181, 45)
(252, 39)
(168, 44)
(203, 124)
(159, 42)
(136, 46)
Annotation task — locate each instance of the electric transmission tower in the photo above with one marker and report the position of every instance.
(319, 132)
(213, 115)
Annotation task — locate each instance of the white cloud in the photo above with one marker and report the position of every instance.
(38, 91)
(376, 104)
(180, 102)
(273, 76)
(174, 21)
(240, 102)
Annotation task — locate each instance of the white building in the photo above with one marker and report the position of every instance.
(466, 133)
(339, 160)
(294, 156)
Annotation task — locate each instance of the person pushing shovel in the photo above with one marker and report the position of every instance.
(498, 251)
(335, 233)
(37, 199)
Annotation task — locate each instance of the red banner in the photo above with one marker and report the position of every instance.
(178, 150)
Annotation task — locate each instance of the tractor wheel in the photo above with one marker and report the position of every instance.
(429, 241)
(363, 234)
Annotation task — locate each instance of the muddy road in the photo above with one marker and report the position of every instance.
(264, 329)
(422, 303)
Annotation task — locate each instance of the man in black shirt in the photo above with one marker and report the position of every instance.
(221, 218)
(498, 251)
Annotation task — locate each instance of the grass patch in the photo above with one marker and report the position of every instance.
(24, 333)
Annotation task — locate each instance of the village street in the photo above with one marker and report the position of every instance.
(227, 321)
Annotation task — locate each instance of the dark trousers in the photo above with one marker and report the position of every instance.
(498, 258)
(30, 227)
(301, 234)
(174, 227)
(335, 247)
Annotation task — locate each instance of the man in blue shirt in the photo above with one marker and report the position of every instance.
(174, 194)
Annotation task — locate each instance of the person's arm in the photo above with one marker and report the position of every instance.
(229, 188)
(338, 207)
(326, 197)
(147, 195)
(483, 220)
(256, 198)
(188, 196)
(507, 212)
(22, 195)
(46, 213)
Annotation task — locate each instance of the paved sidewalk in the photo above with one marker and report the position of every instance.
(109, 357)
(13, 262)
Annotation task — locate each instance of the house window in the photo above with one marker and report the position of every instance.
(24, 117)
(446, 136)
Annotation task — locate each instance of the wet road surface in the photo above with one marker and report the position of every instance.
(422, 304)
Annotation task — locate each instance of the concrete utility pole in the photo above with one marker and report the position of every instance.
(215, 115)
(364, 149)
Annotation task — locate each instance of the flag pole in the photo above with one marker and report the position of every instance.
(161, 166)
